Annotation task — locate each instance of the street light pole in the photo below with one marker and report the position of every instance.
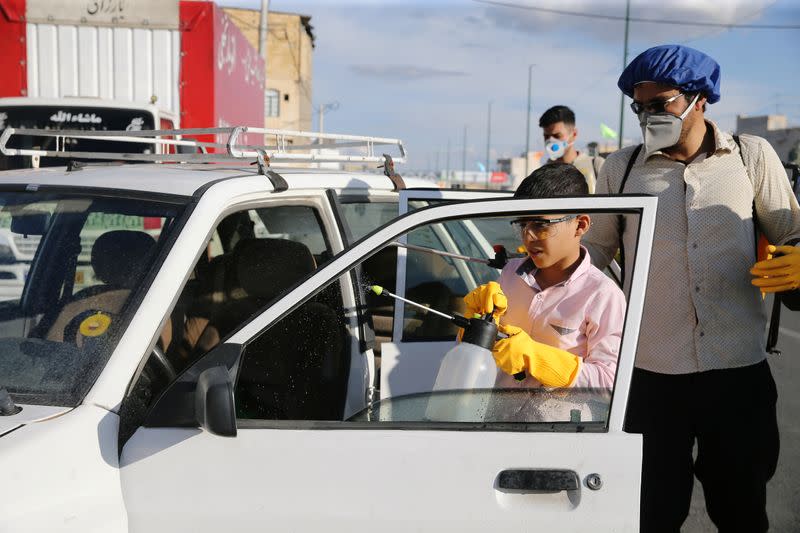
(624, 64)
(262, 29)
(528, 121)
(464, 158)
(447, 165)
(330, 106)
(488, 145)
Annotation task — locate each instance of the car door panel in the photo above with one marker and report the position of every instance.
(352, 480)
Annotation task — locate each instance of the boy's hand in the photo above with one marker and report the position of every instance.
(778, 274)
(553, 367)
(488, 298)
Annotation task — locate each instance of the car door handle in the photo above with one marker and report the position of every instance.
(530, 480)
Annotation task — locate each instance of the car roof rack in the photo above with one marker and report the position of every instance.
(227, 147)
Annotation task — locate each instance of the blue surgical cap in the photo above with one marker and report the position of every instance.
(672, 64)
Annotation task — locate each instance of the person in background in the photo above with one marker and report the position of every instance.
(560, 133)
(701, 376)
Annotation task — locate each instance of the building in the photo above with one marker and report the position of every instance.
(515, 167)
(775, 129)
(290, 45)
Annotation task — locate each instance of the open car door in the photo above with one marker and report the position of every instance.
(249, 436)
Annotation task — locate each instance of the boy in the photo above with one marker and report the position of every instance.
(574, 312)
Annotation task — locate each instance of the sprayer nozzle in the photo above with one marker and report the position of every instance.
(377, 289)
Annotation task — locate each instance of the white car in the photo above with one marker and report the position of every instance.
(231, 370)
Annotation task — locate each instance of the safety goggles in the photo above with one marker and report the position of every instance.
(656, 106)
(539, 228)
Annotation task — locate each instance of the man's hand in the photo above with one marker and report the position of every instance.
(553, 367)
(778, 274)
(488, 298)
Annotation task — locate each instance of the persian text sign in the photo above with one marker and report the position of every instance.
(156, 14)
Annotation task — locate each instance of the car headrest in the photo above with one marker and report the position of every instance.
(119, 257)
(267, 267)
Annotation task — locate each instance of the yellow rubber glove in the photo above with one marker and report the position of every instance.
(553, 367)
(778, 274)
(488, 298)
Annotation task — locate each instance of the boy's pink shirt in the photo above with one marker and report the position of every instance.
(584, 315)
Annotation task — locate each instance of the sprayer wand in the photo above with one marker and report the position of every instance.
(460, 321)
(498, 261)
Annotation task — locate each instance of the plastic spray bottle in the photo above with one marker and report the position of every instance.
(470, 364)
(469, 371)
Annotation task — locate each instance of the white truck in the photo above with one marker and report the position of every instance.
(117, 65)
(221, 377)
(90, 114)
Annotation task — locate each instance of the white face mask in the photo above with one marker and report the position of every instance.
(662, 130)
(556, 149)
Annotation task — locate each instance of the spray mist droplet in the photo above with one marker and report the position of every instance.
(377, 289)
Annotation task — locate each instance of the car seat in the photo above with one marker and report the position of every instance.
(119, 259)
(298, 368)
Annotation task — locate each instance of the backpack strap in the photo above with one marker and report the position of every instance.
(622, 219)
(752, 184)
(631, 162)
(775, 316)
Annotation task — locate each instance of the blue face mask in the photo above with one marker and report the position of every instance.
(556, 149)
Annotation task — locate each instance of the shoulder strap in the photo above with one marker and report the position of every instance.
(738, 142)
(752, 184)
(775, 316)
(631, 162)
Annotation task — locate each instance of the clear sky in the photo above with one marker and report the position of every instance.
(421, 70)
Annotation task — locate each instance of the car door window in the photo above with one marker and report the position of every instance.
(296, 368)
(252, 257)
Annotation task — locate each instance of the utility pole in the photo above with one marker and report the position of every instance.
(262, 30)
(464, 158)
(447, 165)
(488, 144)
(437, 169)
(528, 121)
(330, 106)
(624, 64)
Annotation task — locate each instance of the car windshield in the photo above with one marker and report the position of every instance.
(70, 266)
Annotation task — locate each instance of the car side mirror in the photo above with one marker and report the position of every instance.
(214, 406)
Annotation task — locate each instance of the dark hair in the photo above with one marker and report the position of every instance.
(553, 180)
(558, 113)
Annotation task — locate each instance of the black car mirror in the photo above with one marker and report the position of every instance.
(214, 406)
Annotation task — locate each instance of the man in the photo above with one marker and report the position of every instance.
(701, 373)
(560, 133)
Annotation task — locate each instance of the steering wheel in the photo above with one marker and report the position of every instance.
(95, 325)
(163, 363)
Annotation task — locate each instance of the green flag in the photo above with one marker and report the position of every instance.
(607, 132)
